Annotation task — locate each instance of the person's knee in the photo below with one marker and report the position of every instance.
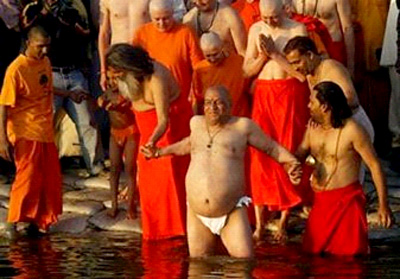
(244, 252)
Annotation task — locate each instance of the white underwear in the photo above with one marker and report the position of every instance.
(216, 224)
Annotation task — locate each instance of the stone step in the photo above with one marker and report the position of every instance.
(88, 195)
(119, 223)
(82, 207)
(70, 223)
(5, 190)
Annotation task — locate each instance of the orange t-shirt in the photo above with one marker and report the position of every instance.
(28, 94)
(178, 50)
(228, 73)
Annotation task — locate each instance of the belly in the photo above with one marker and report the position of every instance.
(213, 187)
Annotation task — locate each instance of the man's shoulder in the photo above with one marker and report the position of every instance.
(354, 130)
(190, 15)
(17, 64)
(257, 27)
(228, 11)
(202, 66)
(196, 120)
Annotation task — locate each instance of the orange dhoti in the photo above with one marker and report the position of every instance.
(337, 223)
(121, 135)
(162, 190)
(36, 194)
(280, 109)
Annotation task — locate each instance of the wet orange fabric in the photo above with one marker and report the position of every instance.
(280, 109)
(36, 192)
(228, 73)
(178, 50)
(27, 93)
(337, 223)
(161, 181)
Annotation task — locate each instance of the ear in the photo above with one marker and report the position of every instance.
(324, 107)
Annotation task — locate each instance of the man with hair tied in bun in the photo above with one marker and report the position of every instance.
(335, 148)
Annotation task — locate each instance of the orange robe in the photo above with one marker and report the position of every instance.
(280, 109)
(161, 187)
(228, 73)
(250, 13)
(337, 223)
(27, 93)
(178, 50)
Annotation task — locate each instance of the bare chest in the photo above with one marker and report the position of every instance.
(323, 9)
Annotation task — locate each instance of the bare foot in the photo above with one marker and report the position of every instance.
(280, 236)
(123, 194)
(258, 233)
(112, 212)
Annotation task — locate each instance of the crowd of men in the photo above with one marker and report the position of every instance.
(211, 109)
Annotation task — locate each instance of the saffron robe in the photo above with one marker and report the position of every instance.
(228, 73)
(177, 49)
(161, 187)
(27, 94)
(337, 223)
(280, 109)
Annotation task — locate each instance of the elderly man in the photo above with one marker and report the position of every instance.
(336, 16)
(220, 68)
(26, 117)
(302, 54)
(211, 15)
(337, 223)
(215, 180)
(279, 107)
(171, 43)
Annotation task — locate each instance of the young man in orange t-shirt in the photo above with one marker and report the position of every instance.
(26, 117)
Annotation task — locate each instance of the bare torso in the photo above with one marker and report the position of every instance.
(281, 35)
(337, 163)
(215, 179)
(331, 70)
(125, 17)
(166, 84)
(217, 22)
(325, 10)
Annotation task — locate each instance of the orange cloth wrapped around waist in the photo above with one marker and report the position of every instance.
(280, 109)
(36, 192)
(337, 223)
(121, 135)
(161, 181)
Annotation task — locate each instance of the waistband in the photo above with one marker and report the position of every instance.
(277, 81)
(348, 188)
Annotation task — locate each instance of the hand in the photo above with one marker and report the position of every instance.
(150, 151)
(5, 150)
(294, 172)
(78, 95)
(103, 81)
(298, 76)
(267, 45)
(312, 124)
(385, 216)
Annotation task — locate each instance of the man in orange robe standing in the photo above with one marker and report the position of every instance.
(26, 115)
(220, 68)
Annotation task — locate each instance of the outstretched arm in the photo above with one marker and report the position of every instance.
(362, 144)
(179, 148)
(258, 139)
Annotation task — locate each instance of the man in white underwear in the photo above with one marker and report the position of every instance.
(215, 181)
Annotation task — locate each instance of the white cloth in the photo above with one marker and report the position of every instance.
(216, 224)
(389, 48)
(362, 118)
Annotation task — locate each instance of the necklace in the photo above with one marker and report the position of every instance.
(212, 136)
(200, 30)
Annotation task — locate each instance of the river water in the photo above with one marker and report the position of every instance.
(97, 254)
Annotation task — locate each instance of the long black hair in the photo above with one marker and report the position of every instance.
(129, 58)
(331, 95)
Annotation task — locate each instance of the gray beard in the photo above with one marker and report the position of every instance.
(129, 87)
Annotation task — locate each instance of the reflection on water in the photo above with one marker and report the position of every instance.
(122, 255)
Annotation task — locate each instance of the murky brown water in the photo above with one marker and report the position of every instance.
(123, 255)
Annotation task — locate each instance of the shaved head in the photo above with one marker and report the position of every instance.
(223, 93)
(161, 5)
(210, 40)
(270, 5)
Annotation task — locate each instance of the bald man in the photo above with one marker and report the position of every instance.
(220, 68)
(336, 16)
(215, 181)
(118, 22)
(211, 15)
(279, 107)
